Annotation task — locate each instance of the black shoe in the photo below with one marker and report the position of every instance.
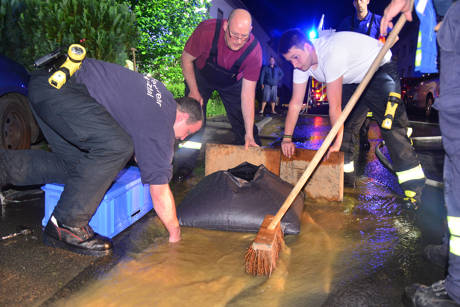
(435, 295)
(437, 254)
(349, 180)
(81, 240)
(182, 174)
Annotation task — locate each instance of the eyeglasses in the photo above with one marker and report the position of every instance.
(237, 37)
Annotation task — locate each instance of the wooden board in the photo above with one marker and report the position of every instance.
(326, 183)
(222, 157)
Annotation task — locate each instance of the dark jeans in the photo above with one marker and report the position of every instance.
(88, 149)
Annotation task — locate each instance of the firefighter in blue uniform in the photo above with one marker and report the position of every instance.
(444, 292)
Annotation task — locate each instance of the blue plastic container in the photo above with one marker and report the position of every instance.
(125, 202)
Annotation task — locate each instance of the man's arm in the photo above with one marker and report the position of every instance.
(248, 94)
(165, 207)
(188, 70)
(295, 105)
(334, 96)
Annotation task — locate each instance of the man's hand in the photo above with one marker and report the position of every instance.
(165, 207)
(249, 142)
(288, 148)
(174, 235)
(196, 96)
(393, 9)
(188, 70)
(334, 148)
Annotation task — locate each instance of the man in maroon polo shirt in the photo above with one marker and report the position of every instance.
(222, 55)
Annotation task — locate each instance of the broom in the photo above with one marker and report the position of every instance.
(261, 256)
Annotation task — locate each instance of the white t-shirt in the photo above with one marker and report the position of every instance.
(347, 54)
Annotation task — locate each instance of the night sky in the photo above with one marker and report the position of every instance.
(276, 16)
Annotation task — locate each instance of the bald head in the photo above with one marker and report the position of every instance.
(240, 16)
(237, 29)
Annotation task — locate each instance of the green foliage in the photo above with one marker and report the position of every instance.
(177, 89)
(108, 27)
(215, 106)
(9, 31)
(164, 27)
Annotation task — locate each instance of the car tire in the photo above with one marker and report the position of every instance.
(429, 105)
(15, 122)
(35, 133)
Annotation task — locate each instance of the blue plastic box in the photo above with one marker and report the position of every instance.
(125, 202)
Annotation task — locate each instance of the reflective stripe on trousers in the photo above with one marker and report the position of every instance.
(454, 229)
(410, 174)
(190, 145)
(349, 167)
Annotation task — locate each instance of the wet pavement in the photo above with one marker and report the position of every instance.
(360, 252)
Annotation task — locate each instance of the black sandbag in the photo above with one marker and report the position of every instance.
(225, 201)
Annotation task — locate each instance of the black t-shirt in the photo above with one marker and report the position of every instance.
(143, 107)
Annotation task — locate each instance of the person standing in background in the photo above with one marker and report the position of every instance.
(270, 78)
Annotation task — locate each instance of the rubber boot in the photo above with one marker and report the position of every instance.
(435, 295)
(437, 254)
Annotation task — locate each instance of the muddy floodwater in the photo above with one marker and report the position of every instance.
(359, 252)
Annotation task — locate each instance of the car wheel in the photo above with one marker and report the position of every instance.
(35, 133)
(14, 123)
(429, 105)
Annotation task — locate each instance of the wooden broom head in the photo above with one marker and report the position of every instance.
(261, 256)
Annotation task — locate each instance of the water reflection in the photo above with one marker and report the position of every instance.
(311, 131)
(358, 251)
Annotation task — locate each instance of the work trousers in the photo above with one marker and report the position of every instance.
(231, 98)
(88, 149)
(450, 127)
(448, 105)
(374, 99)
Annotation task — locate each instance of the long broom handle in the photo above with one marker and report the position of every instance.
(392, 37)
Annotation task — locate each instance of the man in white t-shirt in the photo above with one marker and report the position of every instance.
(341, 60)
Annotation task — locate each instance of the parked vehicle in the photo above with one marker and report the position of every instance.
(423, 93)
(18, 127)
(407, 85)
(316, 93)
